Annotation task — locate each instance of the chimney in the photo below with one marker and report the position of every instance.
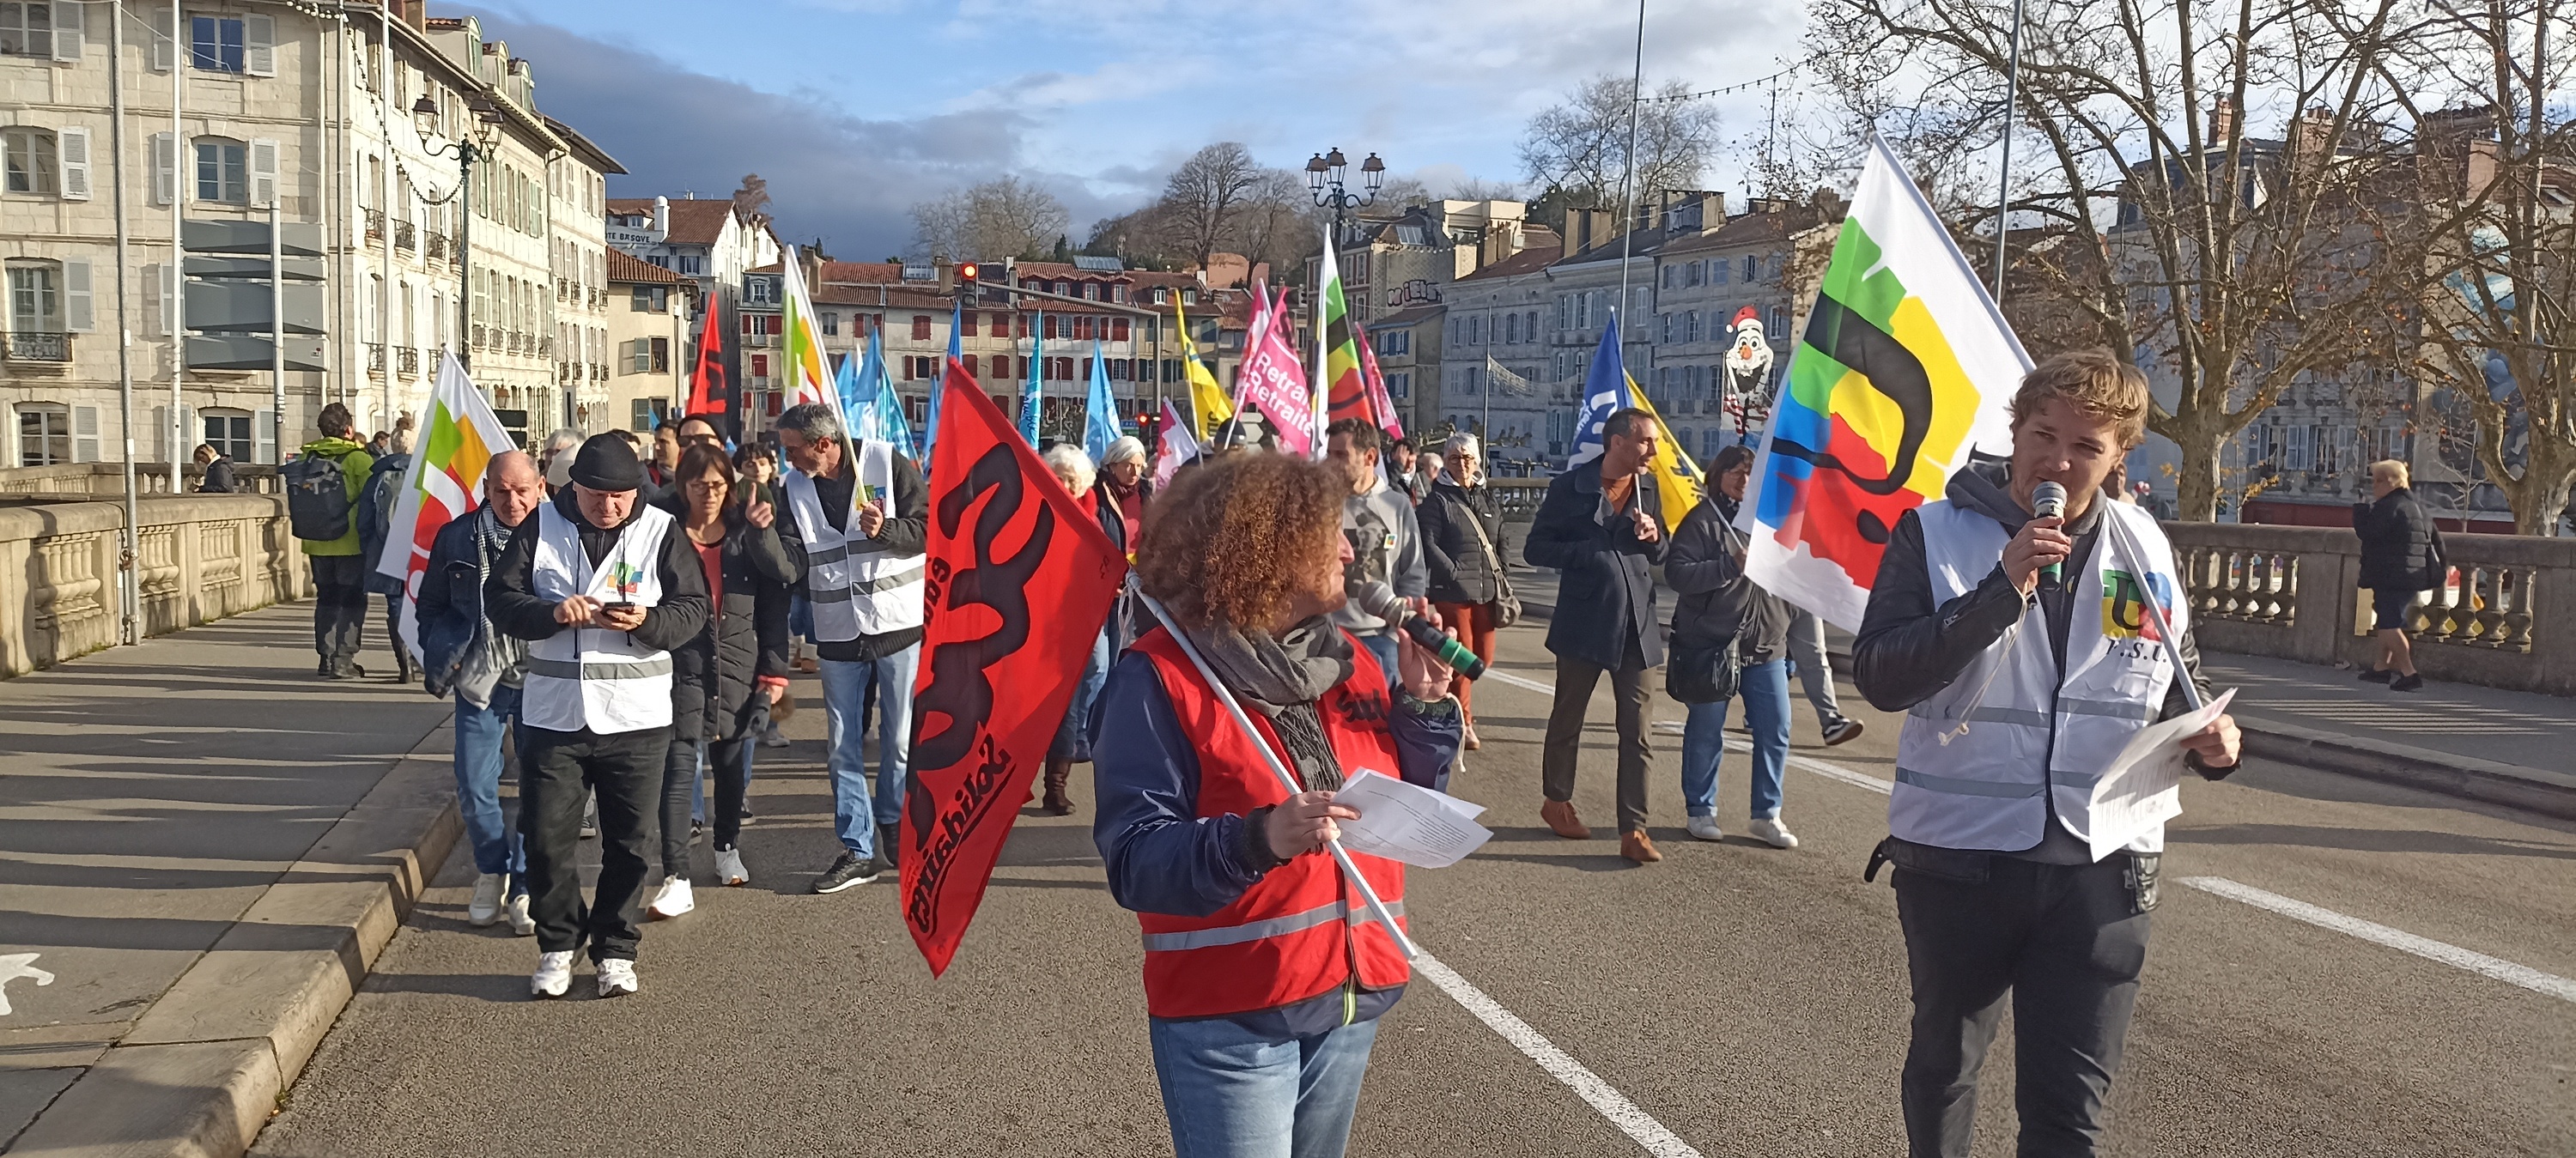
(1712, 212)
(2222, 120)
(661, 218)
(1585, 228)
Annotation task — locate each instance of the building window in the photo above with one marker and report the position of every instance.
(27, 29)
(223, 171)
(760, 365)
(1118, 330)
(758, 290)
(921, 327)
(30, 160)
(832, 323)
(35, 299)
(1778, 327)
(970, 362)
(652, 299)
(230, 433)
(238, 44)
(44, 433)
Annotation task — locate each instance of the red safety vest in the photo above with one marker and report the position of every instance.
(1297, 932)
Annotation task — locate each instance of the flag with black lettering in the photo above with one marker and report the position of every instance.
(1020, 581)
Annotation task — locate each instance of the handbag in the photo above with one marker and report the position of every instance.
(1507, 604)
(1709, 673)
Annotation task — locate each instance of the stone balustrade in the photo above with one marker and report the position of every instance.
(107, 479)
(201, 558)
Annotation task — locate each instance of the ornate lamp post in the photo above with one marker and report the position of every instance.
(1324, 174)
(467, 149)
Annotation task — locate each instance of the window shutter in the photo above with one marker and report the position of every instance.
(79, 316)
(156, 299)
(165, 46)
(165, 175)
(263, 430)
(263, 171)
(84, 434)
(259, 37)
(72, 146)
(71, 19)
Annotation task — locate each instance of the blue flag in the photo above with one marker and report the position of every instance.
(882, 417)
(1100, 413)
(1033, 395)
(1605, 391)
(854, 395)
(930, 426)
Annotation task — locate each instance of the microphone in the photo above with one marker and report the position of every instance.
(2048, 501)
(1380, 600)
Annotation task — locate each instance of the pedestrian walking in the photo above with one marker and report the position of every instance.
(1724, 619)
(485, 669)
(376, 501)
(1806, 641)
(729, 676)
(322, 487)
(1462, 532)
(1599, 528)
(2019, 694)
(603, 588)
(1385, 535)
(1264, 980)
(2401, 557)
(1072, 743)
(218, 467)
(859, 523)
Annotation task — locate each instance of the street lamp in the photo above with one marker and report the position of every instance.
(1324, 176)
(468, 148)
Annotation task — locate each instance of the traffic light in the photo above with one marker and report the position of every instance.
(966, 287)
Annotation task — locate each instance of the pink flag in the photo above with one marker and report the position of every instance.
(1178, 447)
(1378, 398)
(1272, 380)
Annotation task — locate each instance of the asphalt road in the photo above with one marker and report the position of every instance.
(1744, 999)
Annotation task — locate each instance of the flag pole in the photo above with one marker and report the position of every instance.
(1341, 856)
(2003, 180)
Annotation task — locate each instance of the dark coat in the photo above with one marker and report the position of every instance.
(451, 603)
(1461, 571)
(1717, 599)
(376, 502)
(2401, 550)
(1605, 595)
(219, 477)
(717, 673)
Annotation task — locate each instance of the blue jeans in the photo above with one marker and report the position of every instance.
(1382, 645)
(497, 845)
(1232, 1093)
(846, 688)
(1766, 708)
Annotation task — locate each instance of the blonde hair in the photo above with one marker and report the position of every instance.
(2093, 381)
(2392, 469)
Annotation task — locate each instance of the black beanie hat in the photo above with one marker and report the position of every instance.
(606, 463)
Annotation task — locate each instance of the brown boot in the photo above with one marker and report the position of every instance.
(1639, 847)
(1470, 742)
(1560, 818)
(1057, 803)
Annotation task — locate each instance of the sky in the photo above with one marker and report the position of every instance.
(854, 110)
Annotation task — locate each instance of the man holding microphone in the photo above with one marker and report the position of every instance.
(1983, 627)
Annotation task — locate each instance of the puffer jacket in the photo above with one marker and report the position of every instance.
(1717, 599)
(1461, 570)
(745, 640)
(2400, 549)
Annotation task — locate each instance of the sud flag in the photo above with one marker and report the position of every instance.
(459, 434)
(1033, 392)
(1099, 410)
(1020, 581)
(808, 368)
(1902, 377)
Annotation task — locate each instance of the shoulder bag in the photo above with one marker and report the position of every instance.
(1507, 604)
(1710, 673)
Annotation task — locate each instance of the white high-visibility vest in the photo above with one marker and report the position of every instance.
(1979, 763)
(590, 677)
(856, 586)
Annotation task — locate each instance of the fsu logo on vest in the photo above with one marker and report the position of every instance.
(2124, 608)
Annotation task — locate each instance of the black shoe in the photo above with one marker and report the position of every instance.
(1841, 731)
(846, 871)
(2412, 683)
(322, 669)
(890, 845)
(746, 808)
(697, 830)
(348, 671)
(2378, 676)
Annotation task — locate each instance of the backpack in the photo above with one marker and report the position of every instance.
(317, 498)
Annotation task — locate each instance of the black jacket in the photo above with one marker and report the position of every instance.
(1605, 595)
(219, 477)
(2400, 548)
(716, 675)
(906, 533)
(376, 502)
(668, 625)
(1717, 599)
(1461, 571)
(450, 606)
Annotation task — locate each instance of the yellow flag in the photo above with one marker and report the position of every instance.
(1209, 404)
(1678, 480)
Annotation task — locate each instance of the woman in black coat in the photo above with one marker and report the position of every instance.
(2401, 554)
(1462, 542)
(725, 680)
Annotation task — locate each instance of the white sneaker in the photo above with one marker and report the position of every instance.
(553, 976)
(486, 907)
(729, 870)
(674, 899)
(1704, 828)
(616, 977)
(521, 924)
(1771, 832)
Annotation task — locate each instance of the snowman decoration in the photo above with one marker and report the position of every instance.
(1748, 373)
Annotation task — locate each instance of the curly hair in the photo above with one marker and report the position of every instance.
(1230, 540)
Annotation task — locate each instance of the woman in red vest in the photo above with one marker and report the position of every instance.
(1264, 974)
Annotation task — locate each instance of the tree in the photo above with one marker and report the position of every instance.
(752, 200)
(1581, 146)
(1004, 217)
(1200, 197)
(1479, 189)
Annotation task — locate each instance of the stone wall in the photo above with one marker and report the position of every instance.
(201, 558)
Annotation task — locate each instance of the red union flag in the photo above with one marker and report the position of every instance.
(1020, 580)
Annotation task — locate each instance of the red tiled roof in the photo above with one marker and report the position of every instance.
(698, 222)
(623, 268)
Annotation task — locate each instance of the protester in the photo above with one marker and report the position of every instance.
(604, 588)
(661, 483)
(1431, 466)
(1261, 1017)
(2401, 555)
(1412, 484)
(1386, 538)
(1598, 528)
(1122, 477)
(756, 464)
(2020, 692)
(2115, 486)
(556, 459)
(1718, 603)
(219, 471)
(1462, 534)
(1073, 737)
(729, 675)
(381, 444)
(462, 653)
(339, 566)
(1816, 675)
(857, 533)
(375, 513)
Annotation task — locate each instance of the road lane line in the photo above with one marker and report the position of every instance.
(1635, 1123)
(2404, 942)
(1495, 673)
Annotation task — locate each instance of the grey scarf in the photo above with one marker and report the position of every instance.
(1281, 679)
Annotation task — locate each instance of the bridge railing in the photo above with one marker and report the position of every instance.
(200, 558)
(107, 479)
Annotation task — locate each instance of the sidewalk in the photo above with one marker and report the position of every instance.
(204, 847)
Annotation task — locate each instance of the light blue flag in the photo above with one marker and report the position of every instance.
(1100, 413)
(938, 385)
(1033, 395)
(847, 384)
(1605, 391)
(886, 407)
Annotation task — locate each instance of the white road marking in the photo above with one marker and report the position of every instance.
(16, 965)
(1496, 673)
(1612, 1104)
(2404, 942)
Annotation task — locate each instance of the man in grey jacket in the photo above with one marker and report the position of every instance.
(1386, 539)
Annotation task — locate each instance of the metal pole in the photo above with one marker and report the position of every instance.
(128, 579)
(465, 158)
(178, 249)
(277, 329)
(1628, 189)
(385, 208)
(2003, 178)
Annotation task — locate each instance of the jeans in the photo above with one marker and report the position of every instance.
(1807, 647)
(1766, 707)
(1233, 1093)
(1073, 736)
(480, 760)
(684, 797)
(624, 774)
(339, 607)
(1382, 645)
(846, 688)
(1575, 680)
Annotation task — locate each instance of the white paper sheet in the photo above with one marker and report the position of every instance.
(2142, 788)
(1409, 823)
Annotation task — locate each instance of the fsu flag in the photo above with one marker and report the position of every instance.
(710, 388)
(1020, 581)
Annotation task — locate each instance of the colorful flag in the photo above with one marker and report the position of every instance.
(1903, 376)
(459, 434)
(1380, 402)
(1340, 386)
(1271, 381)
(1178, 447)
(1005, 643)
(1033, 393)
(710, 384)
(1208, 401)
(1605, 390)
(808, 369)
(1100, 410)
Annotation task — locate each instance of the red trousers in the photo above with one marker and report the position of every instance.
(1474, 623)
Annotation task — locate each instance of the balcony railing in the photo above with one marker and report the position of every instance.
(410, 361)
(375, 223)
(437, 247)
(39, 347)
(404, 236)
(599, 371)
(375, 358)
(482, 337)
